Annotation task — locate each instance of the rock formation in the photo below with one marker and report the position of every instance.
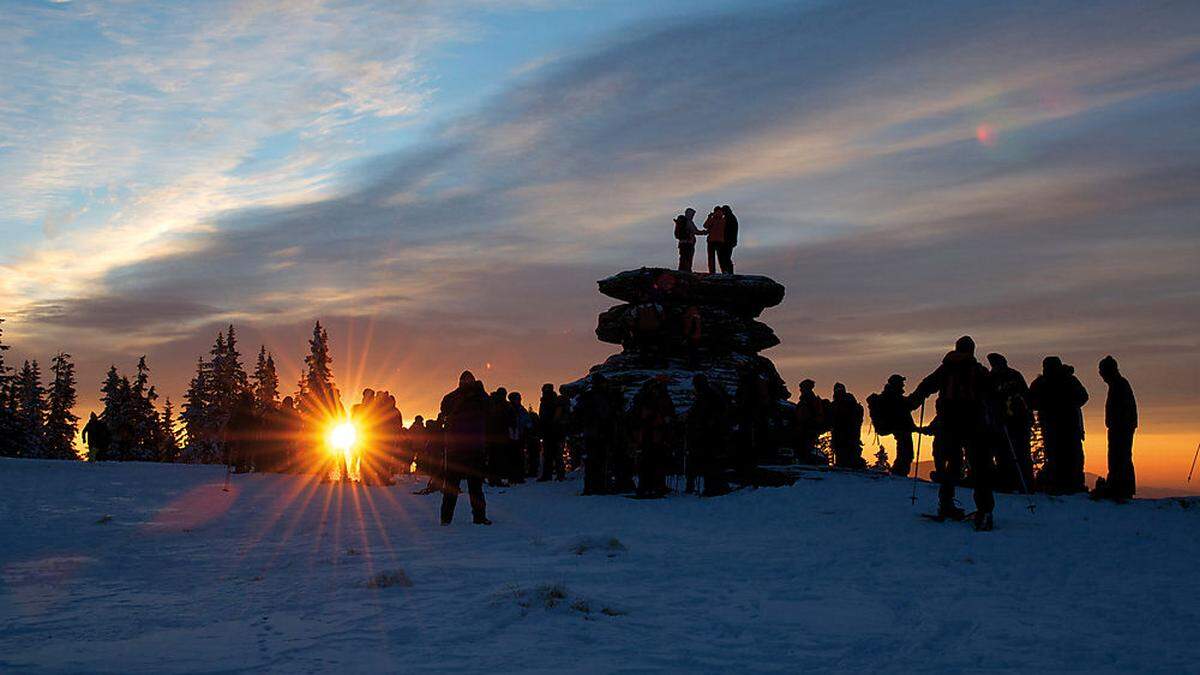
(677, 324)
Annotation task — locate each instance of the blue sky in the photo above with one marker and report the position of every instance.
(454, 176)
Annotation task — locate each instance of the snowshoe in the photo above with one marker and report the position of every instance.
(945, 513)
(482, 521)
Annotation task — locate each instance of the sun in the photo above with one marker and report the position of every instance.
(342, 436)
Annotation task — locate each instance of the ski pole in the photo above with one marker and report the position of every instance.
(917, 465)
(1032, 506)
(1193, 463)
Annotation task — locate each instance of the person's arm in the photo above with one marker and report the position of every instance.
(929, 385)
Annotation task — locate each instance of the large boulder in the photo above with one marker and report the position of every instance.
(719, 329)
(741, 294)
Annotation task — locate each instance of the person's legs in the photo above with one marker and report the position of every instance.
(713, 247)
(725, 256)
(979, 454)
(1121, 481)
(451, 487)
(947, 457)
(904, 453)
(686, 253)
(478, 502)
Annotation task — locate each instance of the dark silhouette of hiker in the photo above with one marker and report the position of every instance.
(845, 425)
(810, 423)
(500, 420)
(685, 233)
(97, 438)
(398, 454)
(653, 416)
(518, 439)
(466, 410)
(1058, 398)
(962, 385)
(714, 225)
(1012, 421)
(435, 453)
(365, 417)
(550, 417)
(414, 436)
(725, 251)
(707, 438)
(599, 409)
(752, 400)
(891, 415)
(1121, 419)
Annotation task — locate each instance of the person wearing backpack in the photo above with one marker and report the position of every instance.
(1013, 421)
(891, 415)
(846, 418)
(963, 386)
(685, 233)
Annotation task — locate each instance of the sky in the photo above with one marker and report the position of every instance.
(442, 183)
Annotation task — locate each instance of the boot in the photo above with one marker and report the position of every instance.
(983, 522)
(951, 512)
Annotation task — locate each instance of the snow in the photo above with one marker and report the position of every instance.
(153, 568)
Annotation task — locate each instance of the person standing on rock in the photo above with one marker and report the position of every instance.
(963, 387)
(685, 233)
(1121, 419)
(846, 418)
(518, 439)
(466, 410)
(725, 251)
(714, 224)
(1058, 398)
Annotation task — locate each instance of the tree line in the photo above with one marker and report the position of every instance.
(37, 419)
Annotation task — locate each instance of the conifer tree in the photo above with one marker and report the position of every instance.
(115, 403)
(169, 445)
(61, 423)
(198, 427)
(8, 428)
(29, 397)
(321, 396)
(266, 382)
(144, 423)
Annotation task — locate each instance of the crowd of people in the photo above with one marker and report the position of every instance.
(983, 426)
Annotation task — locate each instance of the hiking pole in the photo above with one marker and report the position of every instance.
(1032, 506)
(917, 464)
(1193, 463)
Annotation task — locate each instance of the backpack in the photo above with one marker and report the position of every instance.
(877, 409)
(681, 232)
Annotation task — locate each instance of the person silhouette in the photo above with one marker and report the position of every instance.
(714, 224)
(725, 251)
(1058, 398)
(962, 385)
(686, 232)
(1121, 419)
(97, 438)
(466, 411)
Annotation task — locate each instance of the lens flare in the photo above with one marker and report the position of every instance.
(342, 437)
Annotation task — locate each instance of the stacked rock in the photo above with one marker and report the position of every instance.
(674, 325)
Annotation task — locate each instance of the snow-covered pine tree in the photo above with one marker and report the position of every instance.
(29, 397)
(61, 423)
(266, 382)
(8, 429)
(169, 445)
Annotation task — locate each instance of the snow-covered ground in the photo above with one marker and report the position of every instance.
(153, 568)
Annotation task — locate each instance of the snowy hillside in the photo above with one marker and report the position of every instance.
(153, 568)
